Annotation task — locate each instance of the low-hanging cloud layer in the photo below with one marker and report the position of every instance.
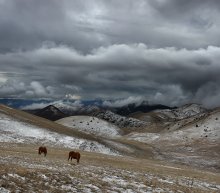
(162, 51)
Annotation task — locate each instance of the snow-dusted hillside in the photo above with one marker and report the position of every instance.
(183, 112)
(196, 142)
(207, 128)
(119, 120)
(90, 125)
(12, 130)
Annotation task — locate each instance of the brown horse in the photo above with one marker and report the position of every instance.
(42, 150)
(74, 155)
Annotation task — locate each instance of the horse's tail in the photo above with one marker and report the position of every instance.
(39, 151)
(45, 151)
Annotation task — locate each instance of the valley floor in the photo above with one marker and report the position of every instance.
(23, 170)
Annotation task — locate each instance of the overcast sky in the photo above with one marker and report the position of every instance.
(163, 51)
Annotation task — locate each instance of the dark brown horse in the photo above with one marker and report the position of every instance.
(74, 155)
(42, 150)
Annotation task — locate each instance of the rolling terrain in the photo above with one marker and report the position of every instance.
(168, 154)
(189, 135)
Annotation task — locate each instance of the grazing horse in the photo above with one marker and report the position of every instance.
(42, 150)
(74, 155)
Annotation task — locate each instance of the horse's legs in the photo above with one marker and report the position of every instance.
(78, 157)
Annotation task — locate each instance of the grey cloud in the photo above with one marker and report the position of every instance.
(119, 71)
(123, 102)
(26, 24)
(167, 51)
(86, 25)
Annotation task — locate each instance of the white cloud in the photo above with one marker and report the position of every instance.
(38, 89)
(35, 106)
(3, 79)
(73, 96)
(123, 102)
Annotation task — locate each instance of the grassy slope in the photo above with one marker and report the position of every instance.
(24, 161)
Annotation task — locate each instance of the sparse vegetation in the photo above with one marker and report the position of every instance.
(95, 173)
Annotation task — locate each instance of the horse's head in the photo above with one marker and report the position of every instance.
(42, 150)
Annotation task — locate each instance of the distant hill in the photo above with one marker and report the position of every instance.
(92, 125)
(50, 112)
(119, 120)
(72, 109)
(143, 107)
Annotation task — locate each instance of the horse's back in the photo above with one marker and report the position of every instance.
(75, 155)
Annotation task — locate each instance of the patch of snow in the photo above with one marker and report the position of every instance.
(17, 176)
(93, 187)
(143, 137)
(3, 190)
(69, 187)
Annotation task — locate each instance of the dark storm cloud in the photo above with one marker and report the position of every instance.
(163, 51)
(84, 25)
(26, 24)
(163, 75)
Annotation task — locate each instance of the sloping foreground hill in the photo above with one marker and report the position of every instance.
(22, 128)
(23, 170)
